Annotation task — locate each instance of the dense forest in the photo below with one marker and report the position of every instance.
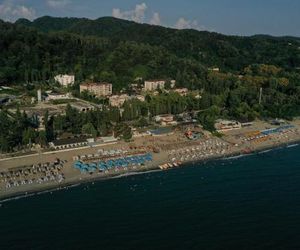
(211, 49)
(119, 51)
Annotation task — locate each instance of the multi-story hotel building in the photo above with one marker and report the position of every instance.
(98, 89)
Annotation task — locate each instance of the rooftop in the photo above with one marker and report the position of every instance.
(95, 84)
(68, 141)
(156, 80)
(81, 105)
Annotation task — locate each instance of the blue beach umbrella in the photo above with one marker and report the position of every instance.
(101, 165)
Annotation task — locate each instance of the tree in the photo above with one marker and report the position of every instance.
(142, 122)
(42, 138)
(127, 133)
(208, 117)
(89, 129)
(28, 136)
(168, 85)
(49, 126)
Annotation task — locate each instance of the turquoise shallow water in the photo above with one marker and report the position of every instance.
(247, 203)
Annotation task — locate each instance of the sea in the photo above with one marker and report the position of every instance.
(250, 202)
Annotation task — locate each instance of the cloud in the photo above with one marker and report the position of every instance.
(137, 14)
(58, 3)
(155, 20)
(11, 11)
(183, 23)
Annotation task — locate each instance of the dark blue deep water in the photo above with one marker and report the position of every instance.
(247, 203)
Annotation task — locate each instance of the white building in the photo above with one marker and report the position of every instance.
(65, 80)
(140, 97)
(166, 120)
(98, 89)
(68, 143)
(152, 85)
(224, 125)
(119, 100)
(215, 69)
(182, 91)
(82, 106)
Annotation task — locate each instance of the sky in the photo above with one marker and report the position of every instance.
(233, 17)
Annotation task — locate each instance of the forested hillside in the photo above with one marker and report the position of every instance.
(118, 51)
(211, 49)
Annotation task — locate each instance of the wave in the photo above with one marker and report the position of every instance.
(135, 173)
(16, 198)
(58, 189)
(292, 145)
(236, 157)
(26, 195)
(265, 151)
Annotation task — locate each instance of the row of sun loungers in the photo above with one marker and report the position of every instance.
(202, 151)
(35, 174)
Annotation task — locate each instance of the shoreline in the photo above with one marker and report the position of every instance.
(74, 182)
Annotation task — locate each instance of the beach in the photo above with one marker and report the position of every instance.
(55, 169)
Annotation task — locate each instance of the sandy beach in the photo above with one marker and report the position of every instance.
(55, 169)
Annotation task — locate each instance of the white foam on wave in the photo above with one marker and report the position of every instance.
(236, 157)
(292, 145)
(135, 173)
(265, 151)
(17, 197)
(26, 195)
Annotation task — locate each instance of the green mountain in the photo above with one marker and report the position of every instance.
(211, 49)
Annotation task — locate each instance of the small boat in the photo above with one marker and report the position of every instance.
(170, 165)
(161, 167)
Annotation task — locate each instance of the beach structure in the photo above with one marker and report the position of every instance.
(103, 140)
(65, 80)
(166, 120)
(98, 89)
(108, 139)
(277, 122)
(225, 125)
(247, 124)
(67, 143)
(277, 130)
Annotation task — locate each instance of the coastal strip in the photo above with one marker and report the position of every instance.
(172, 149)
